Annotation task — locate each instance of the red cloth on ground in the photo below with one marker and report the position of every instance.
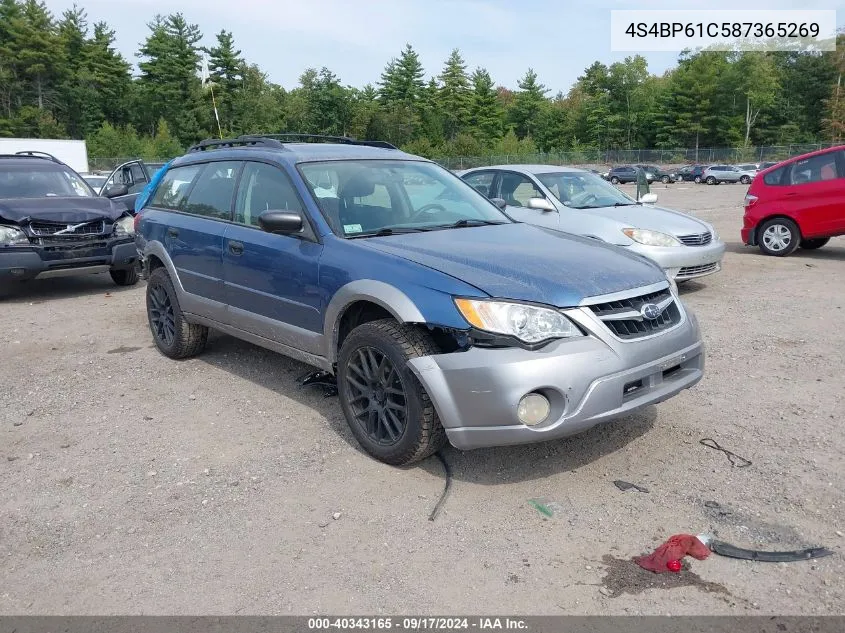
(675, 548)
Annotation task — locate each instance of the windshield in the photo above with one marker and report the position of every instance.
(579, 190)
(369, 197)
(26, 182)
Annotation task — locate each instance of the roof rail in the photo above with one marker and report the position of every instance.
(242, 141)
(346, 140)
(36, 154)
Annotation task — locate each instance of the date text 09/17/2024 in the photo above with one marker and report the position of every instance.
(420, 623)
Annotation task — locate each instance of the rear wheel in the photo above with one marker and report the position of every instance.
(779, 237)
(710, 180)
(125, 276)
(745, 180)
(386, 407)
(697, 180)
(614, 180)
(664, 180)
(814, 243)
(172, 334)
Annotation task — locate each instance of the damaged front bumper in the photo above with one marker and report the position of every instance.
(67, 258)
(587, 381)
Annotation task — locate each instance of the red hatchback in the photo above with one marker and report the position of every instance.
(799, 202)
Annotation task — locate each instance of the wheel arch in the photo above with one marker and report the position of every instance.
(774, 216)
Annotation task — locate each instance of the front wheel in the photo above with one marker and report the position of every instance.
(172, 334)
(814, 243)
(614, 180)
(125, 276)
(710, 180)
(386, 407)
(664, 180)
(779, 237)
(697, 180)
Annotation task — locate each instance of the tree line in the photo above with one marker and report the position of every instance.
(61, 77)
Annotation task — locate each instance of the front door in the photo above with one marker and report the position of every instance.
(815, 188)
(271, 280)
(135, 176)
(517, 189)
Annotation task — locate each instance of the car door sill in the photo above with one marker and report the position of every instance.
(297, 354)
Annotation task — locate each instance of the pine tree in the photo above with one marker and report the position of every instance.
(454, 95)
(225, 66)
(402, 80)
(486, 117)
(39, 54)
(527, 104)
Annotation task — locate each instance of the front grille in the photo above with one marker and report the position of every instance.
(95, 227)
(693, 271)
(700, 239)
(623, 317)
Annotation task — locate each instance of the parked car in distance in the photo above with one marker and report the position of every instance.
(767, 165)
(53, 224)
(97, 181)
(576, 201)
(658, 173)
(439, 316)
(625, 174)
(751, 168)
(799, 202)
(691, 173)
(717, 174)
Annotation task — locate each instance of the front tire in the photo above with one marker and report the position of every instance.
(697, 180)
(664, 180)
(814, 243)
(172, 334)
(614, 180)
(710, 180)
(779, 237)
(125, 276)
(386, 407)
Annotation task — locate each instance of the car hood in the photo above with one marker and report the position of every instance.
(524, 262)
(70, 210)
(653, 218)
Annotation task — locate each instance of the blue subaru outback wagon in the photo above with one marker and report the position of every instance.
(439, 316)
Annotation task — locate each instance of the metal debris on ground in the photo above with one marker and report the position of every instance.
(735, 460)
(731, 551)
(626, 485)
(322, 378)
(447, 471)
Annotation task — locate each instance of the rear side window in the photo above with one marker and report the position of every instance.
(481, 182)
(212, 194)
(173, 188)
(775, 177)
(814, 169)
(264, 188)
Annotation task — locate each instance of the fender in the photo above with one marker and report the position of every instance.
(388, 297)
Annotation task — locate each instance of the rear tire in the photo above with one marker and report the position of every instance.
(778, 237)
(814, 243)
(710, 180)
(697, 180)
(386, 407)
(172, 334)
(125, 276)
(664, 180)
(745, 180)
(614, 180)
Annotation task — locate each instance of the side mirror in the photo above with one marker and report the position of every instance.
(499, 202)
(283, 222)
(541, 204)
(648, 198)
(116, 190)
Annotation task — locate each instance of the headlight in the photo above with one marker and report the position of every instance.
(651, 238)
(125, 226)
(649, 176)
(12, 236)
(527, 323)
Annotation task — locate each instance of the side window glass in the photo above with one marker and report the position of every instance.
(173, 188)
(774, 178)
(212, 195)
(518, 190)
(814, 169)
(482, 182)
(266, 188)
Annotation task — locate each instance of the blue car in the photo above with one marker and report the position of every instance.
(438, 315)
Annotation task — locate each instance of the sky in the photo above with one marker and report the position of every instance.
(356, 38)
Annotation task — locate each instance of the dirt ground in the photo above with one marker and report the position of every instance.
(133, 484)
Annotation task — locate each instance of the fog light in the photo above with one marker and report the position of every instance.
(533, 409)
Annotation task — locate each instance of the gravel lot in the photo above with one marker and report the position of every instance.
(133, 484)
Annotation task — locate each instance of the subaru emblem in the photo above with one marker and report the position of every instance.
(650, 311)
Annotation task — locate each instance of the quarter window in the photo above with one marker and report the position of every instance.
(212, 195)
(481, 182)
(265, 188)
(173, 188)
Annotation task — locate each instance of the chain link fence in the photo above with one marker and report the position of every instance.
(99, 164)
(681, 156)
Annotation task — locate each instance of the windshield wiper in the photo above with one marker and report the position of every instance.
(396, 230)
(467, 222)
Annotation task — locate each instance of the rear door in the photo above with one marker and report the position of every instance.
(815, 193)
(200, 199)
(271, 280)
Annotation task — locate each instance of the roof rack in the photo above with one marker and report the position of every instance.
(34, 154)
(276, 141)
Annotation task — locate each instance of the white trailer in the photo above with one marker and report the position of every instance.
(73, 153)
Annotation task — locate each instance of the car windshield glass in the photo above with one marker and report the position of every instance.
(360, 198)
(20, 182)
(580, 190)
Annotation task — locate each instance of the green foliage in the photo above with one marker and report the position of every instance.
(62, 77)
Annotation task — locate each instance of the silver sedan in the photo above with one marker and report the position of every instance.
(580, 202)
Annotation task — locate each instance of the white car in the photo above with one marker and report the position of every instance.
(717, 174)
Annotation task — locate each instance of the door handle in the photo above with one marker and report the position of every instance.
(790, 194)
(171, 232)
(236, 248)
